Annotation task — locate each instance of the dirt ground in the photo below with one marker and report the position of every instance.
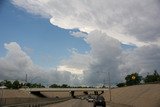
(135, 96)
(7, 93)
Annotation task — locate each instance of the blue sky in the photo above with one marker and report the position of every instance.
(48, 44)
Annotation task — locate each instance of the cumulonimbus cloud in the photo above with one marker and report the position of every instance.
(107, 55)
(108, 23)
(132, 21)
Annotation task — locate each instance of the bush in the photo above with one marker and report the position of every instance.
(121, 85)
(155, 77)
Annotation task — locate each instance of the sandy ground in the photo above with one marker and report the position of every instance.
(136, 96)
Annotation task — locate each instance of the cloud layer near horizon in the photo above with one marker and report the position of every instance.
(106, 55)
(16, 64)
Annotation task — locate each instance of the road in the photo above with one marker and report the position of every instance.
(73, 103)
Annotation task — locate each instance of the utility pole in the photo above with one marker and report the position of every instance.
(109, 83)
(26, 82)
(26, 78)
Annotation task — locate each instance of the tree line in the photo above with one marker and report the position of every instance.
(135, 79)
(67, 86)
(131, 79)
(16, 84)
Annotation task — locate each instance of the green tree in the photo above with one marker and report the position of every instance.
(29, 85)
(34, 85)
(65, 86)
(54, 86)
(8, 84)
(133, 79)
(155, 77)
(16, 84)
(121, 84)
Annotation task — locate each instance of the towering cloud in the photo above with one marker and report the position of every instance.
(105, 52)
(107, 24)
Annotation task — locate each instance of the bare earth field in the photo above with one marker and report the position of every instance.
(136, 96)
(6, 93)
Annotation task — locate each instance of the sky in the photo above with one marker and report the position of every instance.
(36, 35)
(78, 42)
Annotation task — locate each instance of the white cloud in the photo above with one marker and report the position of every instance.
(72, 70)
(132, 21)
(106, 55)
(16, 64)
(77, 63)
(90, 68)
(101, 59)
(144, 60)
(105, 52)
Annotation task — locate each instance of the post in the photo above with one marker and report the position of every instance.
(26, 78)
(110, 99)
(26, 82)
(2, 101)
